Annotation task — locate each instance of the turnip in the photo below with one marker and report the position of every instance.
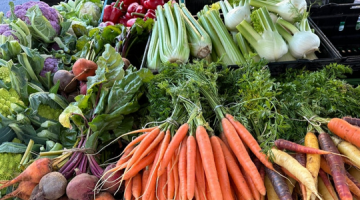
(111, 181)
(23, 191)
(33, 173)
(67, 80)
(104, 196)
(81, 187)
(52, 186)
(83, 68)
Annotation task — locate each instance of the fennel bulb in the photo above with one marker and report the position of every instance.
(290, 10)
(274, 17)
(301, 42)
(234, 15)
(173, 40)
(264, 38)
(287, 57)
(199, 40)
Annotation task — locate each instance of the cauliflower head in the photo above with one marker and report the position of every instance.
(5, 30)
(6, 98)
(50, 65)
(49, 13)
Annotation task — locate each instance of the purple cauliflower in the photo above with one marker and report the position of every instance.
(6, 31)
(50, 65)
(49, 13)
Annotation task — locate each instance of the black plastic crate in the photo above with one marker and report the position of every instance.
(341, 25)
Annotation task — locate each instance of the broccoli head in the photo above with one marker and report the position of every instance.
(6, 98)
(48, 112)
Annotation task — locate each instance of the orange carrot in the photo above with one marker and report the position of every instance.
(251, 185)
(336, 166)
(221, 168)
(135, 141)
(161, 188)
(243, 157)
(32, 173)
(235, 173)
(170, 181)
(176, 175)
(145, 178)
(190, 166)
(345, 130)
(124, 157)
(200, 175)
(136, 186)
(327, 183)
(250, 141)
(128, 189)
(292, 146)
(149, 138)
(148, 149)
(150, 187)
(182, 169)
(141, 165)
(207, 157)
(174, 144)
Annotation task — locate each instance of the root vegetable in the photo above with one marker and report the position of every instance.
(111, 181)
(104, 196)
(33, 173)
(35, 196)
(23, 191)
(83, 89)
(67, 80)
(126, 63)
(81, 187)
(52, 185)
(71, 96)
(83, 68)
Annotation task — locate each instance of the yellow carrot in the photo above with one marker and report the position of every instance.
(349, 150)
(324, 192)
(312, 160)
(270, 191)
(294, 167)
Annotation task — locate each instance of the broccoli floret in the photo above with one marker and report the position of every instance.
(9, 165)
(48, 112)
(6, 98)
(5, 74)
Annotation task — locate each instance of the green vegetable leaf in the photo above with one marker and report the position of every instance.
(64, 27)
(65, 116)
(40, 26)
(79, 30)
(111, 32)
(68, 137)
(12, 147)
(54, 89)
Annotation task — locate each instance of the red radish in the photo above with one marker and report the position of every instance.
(83, 68)
(23, 191)
(33, 173)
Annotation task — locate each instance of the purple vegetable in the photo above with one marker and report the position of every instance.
(6, 31)
(50, 65)
(49, 13)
